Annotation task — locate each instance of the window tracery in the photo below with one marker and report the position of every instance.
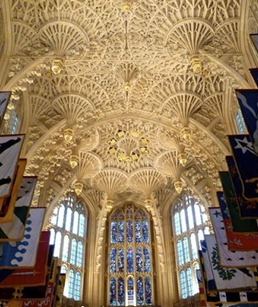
(130, 258)
(190, 223)
(68, 233)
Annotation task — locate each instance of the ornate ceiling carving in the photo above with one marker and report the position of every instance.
(132, 80)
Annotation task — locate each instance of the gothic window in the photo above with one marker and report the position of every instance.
(68, 233)
(190, 223)
(130, 258)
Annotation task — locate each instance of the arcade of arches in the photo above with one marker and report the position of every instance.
(126, 106)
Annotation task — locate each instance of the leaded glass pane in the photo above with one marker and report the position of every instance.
(75, 222)
(147, 264)
(120, 262)
(148, 295)
(121, 292)
(120, 226)
(180, 254)
(190, 217)
(57, 244)
(193, 246)
(112, 292)
(77, 286)
(113, 232)
(79, 254)
(189, 281)
(60, 217)
(186, 249)
(73, 251)
(130, 291)
(70, 284)
(112, 262)
(68, 219)
(183, 221)
(198, 217)
(129, 231)
(139, 293)
(130, 267)
(138, 236)
(82, 226)
(177, 223)
(65, 248)
(145, 231)
(139, 260)
(183, 284)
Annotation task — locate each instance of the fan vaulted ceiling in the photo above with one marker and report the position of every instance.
(141, 92)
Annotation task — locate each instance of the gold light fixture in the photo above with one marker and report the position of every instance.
(74, 160)
(178, 186)
(127, 86)
(186, 133)
(57, 66)
(126, 6)
(182, 158)
(78, 186)
(196, 64)
(68, 134)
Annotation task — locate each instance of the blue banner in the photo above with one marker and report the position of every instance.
(246, 161)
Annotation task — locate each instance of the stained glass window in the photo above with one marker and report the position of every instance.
(68, 234)
(189, 221)
(130, 258)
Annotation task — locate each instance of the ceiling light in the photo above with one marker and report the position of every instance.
(186, 133)
(196, 65)
(74, 160)
(57, 66)
(78, 186)
(127, 86)
(178, 186)
(126, 7)
(68, 134)
(182, 159)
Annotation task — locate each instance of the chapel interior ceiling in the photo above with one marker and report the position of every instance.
(140, 92)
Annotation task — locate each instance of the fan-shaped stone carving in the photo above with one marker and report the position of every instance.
(22, 34)
(111, 181)
(168, 164)
(146, 181)
(127, 72)
(227, 36)
(39, 105)
(214, 104)
(89, 165)
(72, 106)
(65, 38)
(183, 106)
(191, 35)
